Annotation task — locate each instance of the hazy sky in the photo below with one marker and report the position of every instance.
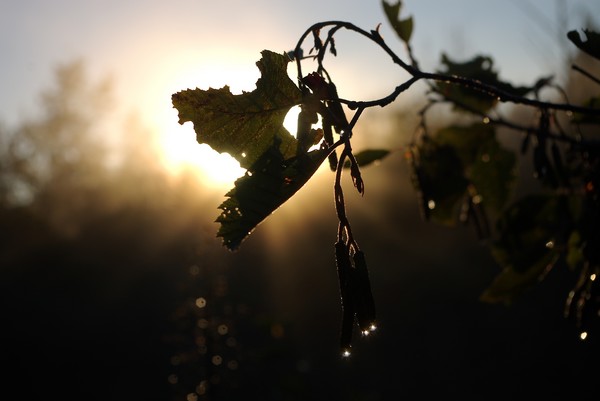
(154, 48)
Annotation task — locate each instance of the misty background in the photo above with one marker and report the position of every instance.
(114, 286)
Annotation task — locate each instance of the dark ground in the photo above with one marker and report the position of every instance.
(110, 313)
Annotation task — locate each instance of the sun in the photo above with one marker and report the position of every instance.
(181, 151)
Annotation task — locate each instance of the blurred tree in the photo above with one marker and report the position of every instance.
(103, 257)
(64, 151)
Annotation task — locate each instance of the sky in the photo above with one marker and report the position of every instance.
(152, 48)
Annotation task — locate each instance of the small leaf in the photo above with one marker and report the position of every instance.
(591, 46)
(404, 27)
(368, 156)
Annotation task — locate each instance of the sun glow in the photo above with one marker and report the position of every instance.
(180, 150)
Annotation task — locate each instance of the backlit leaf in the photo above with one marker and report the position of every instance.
(368, 156)
(244, 125)
(529, 243)
(403, 27)
(510, 284)
(270, 182)
(463, 161)
(439, 177)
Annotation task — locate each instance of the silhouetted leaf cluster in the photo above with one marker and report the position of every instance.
(462, 173)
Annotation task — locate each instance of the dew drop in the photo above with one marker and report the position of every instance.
(593, 277)
(486, 120)
(583, 335)
(431, 204)
(550, 244)
(231, 342)
(202, 387)
(201, 302)
(223, 329)
(217, 360)
(346, 353)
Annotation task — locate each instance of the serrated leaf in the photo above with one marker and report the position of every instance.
(488, 166)
(526, 227)
(368, 156)
(404, 27)
(493, 174)
(244, 125)
(534, 237)
(458, 161)
(591, 46)
(270, 182)
(510, 284)
(439, 177)
(530, 241)
(479, 68)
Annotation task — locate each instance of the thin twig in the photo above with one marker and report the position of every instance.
(417, 74)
